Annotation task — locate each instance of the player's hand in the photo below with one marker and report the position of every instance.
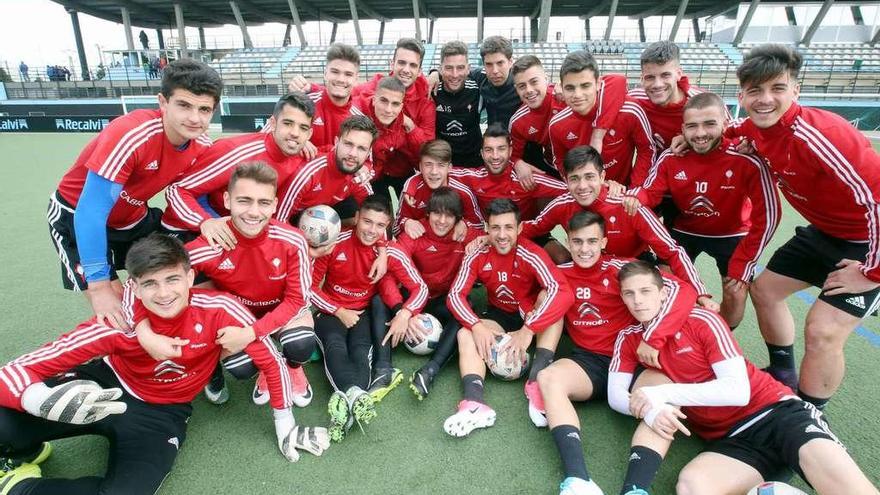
(648, 355)
(524, 173)
(519, 343)
(107, 305)
(314, 440)
(309, 151)
(78, 402)
(484, 337)
(379, 267)
(848, 279)
(476, 244)
(557, 93)
(640, 403)
(433, 82)
(218, 234)
(415, 331)
(615, 189)
(413, 228)
(631, 205)
(348, 317)
(397, 327)
(745, 146)
(459, 232)
(318, 252)
(364, 175)
(667, 421)
(159, 347)
(408, 124)
(678, 145)
(235, 339)
(298, 83)
(597, 138)
(734, 285)
(707, 302)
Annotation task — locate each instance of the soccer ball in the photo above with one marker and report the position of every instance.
(502, 365)
(774, 488)
(429, 343)
(320, 224)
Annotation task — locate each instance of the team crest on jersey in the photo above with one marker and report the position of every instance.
(226, 265)
(605, 282)
(571, 136)
(276, 262)
(612, 219)
(487, 267)
(342, 257)
(502, 292)
(612, 132)
(532, 130)
(153, 165)
(728, 174)
(198, 327)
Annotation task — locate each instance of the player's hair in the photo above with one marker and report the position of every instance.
(639, 267)
(768, 61)
(193, 76)
(582, 155)
(494, 130)
(578, 61)
(525, 63)
(437, 149)
(341, 51)
(153, 253)
(391, 84)
(259, 172)
(444, 199)
(660, 52)
(704, 100)
(586, 218)
(358, 123)
(496, 44)
(412, 45)
(452, 49)
(377, 202)
(296, 100)
(500, 206)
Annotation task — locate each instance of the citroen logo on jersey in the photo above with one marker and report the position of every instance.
(703, 207)
(454, 125)
(502, 292)
(532, 130)
(168, 366)
(588, 309)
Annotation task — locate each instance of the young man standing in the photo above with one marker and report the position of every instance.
(457, 102)
(815, 156)
(121, 393)
(629, 134)
(593, 323)
(100, 207)
(728, 204)
(342, 292)
(755, 425)
(520, 280)
(208, 179)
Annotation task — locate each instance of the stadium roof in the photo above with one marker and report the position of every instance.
(211, 13)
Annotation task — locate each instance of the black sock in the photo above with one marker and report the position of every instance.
(571, 451)
(642, 467)
(819, 403)
(543, 358)
(473, 387)
(431, 367)
(781, 356)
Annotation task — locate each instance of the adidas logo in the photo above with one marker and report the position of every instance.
(857, 301)
(317, 187)
(431, 249)
(574, 435)
(487, 267)
(226, 265)
(342, 257)
(635, 457)
(174, 441)
(571, 136)
(153, 165)
(681, 176)
(532, 130)
(318, 121)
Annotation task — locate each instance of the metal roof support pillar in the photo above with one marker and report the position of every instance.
(294, 14)
(808, 36)
(80, 48)
(544, 20)
(181, 30)
(642, 37)
(381, 32)
(431, 31)
(611, 14)
(161, 39)
(696, 22)
(479, 21)
(533, 29)
(354, 19)
(126, 25)
(246, 37)
(741, 32)
(417, 18)
(333, 33)
(202, 43)
(682, 6)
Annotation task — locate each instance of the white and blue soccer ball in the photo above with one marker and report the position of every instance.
(502, 364)
(774, 488)
(429, 343)
(320, 224)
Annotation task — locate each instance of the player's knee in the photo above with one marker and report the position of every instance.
(549, 379)
(762, 292)
(692, 482)
(240, 365)
(297, 344)
(823, 337)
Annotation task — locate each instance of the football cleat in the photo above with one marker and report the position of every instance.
(302, 390)
(636, 491)
(340, 416)
(578, 486)
(216, 390)
(38, 457)
(17, 475)
(363, 408)
(420, 382)
(785, 376)
(537, 411)
(470, 416)
(260, 395)
(384, 382)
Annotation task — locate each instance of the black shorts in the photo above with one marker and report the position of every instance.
(811, 255)
(510, 322)
(467, 160)
(183, 236)
(596, 368)
(770, 439)
(61, 229)
(719, 248)
(381, 185)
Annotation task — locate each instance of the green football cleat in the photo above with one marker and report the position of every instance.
(340, 416)
(17, 475)
(363, 408)
(9, 464)
(384, 382)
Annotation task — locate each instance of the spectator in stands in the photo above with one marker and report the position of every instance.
(23, 70)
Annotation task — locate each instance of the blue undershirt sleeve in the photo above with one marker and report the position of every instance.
(90, 225)
(203, 201)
